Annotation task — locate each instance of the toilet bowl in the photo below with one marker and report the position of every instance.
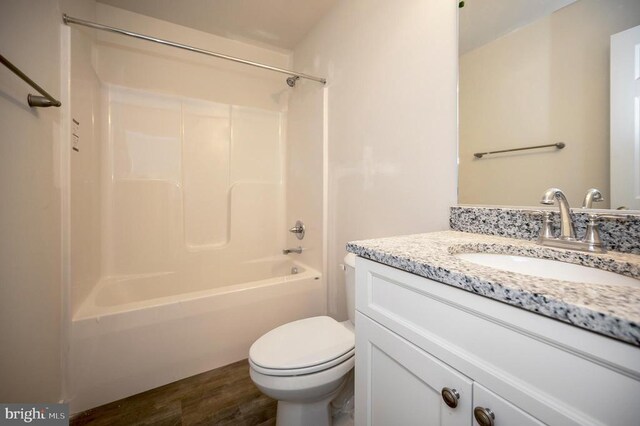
(305, 364)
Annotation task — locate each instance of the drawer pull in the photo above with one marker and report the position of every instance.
(450, 397)
(484, 416)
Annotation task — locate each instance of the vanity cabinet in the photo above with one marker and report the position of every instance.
(405, 386)
(416, 337)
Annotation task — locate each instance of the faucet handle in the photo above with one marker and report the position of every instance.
(546, 231)
(605, 216)
(592, 235)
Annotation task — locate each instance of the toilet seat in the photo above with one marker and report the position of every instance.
(303, 347)
(300, 371)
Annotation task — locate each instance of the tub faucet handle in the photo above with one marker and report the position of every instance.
(298, 229)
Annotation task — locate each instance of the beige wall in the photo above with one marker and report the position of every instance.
(392, 75)
(547, 82)
(30, 219)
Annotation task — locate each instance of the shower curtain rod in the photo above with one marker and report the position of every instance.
(291, 81)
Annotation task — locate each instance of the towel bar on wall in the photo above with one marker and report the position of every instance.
(46, 100)
(558, 145)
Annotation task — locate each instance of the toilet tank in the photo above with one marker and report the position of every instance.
(350, 282)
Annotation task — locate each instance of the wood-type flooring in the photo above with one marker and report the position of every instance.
(224, 396)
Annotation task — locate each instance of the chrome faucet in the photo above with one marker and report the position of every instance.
(297, 250)
(567, 229)
(591, 241)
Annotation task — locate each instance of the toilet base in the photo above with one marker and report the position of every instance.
(317, 413)
(304, 400)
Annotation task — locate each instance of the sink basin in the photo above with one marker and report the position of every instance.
(544, 268)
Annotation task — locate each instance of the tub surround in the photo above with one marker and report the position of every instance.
(520, 223)
(608, 310)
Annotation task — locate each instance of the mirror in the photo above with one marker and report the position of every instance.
(538, 73)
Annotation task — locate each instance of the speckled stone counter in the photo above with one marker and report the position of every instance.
(618, 235)
(613, 311)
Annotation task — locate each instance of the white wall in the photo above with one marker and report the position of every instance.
(86, 169)
(544, 83)
(30, 219)
(305, 165)
(392, 75)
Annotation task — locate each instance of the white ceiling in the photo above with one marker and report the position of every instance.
(284, 23)
(277, 23)
(482, 21)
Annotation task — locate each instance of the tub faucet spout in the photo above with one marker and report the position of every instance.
(293, 250)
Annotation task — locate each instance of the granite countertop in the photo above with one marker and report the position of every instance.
(613, 311)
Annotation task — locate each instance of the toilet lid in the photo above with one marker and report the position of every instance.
(299, 345)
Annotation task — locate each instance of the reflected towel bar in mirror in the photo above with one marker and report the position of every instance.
(558, 145)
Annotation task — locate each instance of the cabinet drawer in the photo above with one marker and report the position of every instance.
(547, 378)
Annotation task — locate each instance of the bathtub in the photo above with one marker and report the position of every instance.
(136, 333)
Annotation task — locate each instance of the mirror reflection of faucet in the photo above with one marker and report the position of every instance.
(592, 195)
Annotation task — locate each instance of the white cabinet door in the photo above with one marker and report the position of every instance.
(399, 384)
(502, 413)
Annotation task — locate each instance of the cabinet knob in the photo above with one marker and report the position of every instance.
(484, 416)
(450, 397)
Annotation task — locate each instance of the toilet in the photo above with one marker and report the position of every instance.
(305, 364)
